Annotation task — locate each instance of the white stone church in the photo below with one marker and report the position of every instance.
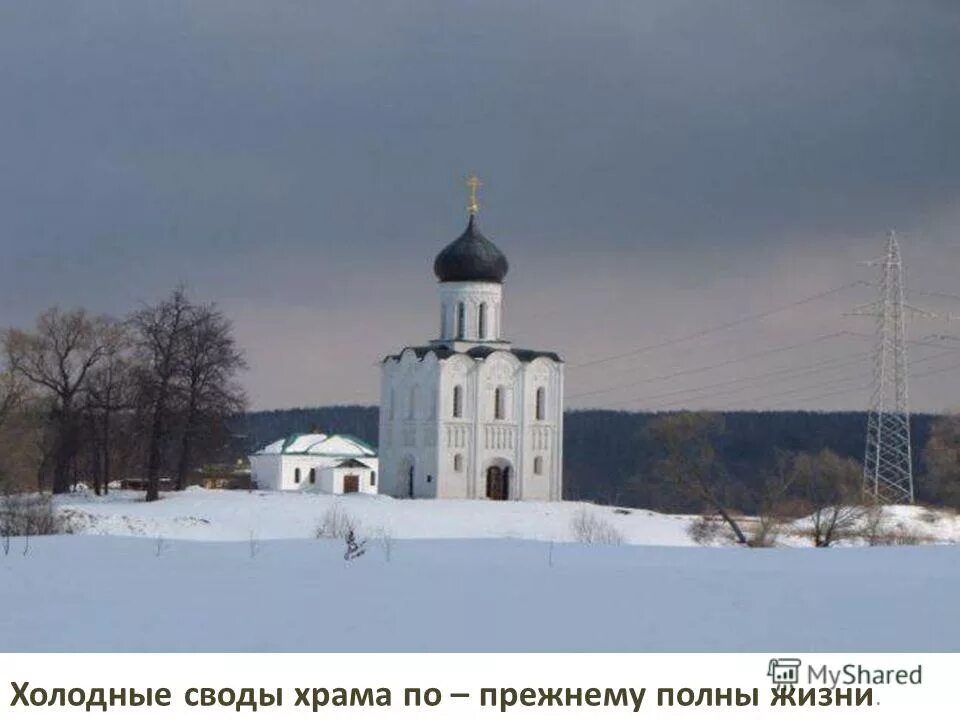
(468, 415)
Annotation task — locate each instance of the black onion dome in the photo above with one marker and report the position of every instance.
(471, 258)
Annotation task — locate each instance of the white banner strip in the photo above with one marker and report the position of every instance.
(480, 685)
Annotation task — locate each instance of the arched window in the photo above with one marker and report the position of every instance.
(461, 321)
(392, 402)
(541, 403)
(313, 476)
(458, 462)
(499, 403)
(373, 478)
(296, 476)
(538, 465)
(443, 321)
(457, 401)
(482, 321)
(412, 407)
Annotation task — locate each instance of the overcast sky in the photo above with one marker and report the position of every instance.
(651, 170)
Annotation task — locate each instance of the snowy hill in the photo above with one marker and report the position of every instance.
(198, 514)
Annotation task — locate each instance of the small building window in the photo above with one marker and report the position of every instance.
(461, 321)
(457, 401)
(499, 403)
(429, 478)
(458, 462)
(313, 476)
(296, 476)
(541, 403)
(538, 465)
(482, 321)
(373, 478)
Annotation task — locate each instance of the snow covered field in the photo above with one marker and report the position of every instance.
(237, 571)
(119, 594)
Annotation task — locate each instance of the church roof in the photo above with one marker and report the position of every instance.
(320, 445)
(479, 352)
(351, 463)
(471, 258)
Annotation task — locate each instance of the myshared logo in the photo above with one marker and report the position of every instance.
(784, 671)
(852, 685)
(790, 671)
(856, 674)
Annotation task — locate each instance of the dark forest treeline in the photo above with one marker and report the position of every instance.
(256, 429)
(610, 456)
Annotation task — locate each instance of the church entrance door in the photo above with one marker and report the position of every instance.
(351, 484)
(405, 486)
(498, 483)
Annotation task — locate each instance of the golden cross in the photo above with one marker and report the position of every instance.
(473, 183)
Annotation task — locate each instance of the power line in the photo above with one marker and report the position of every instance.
(825, 363)
(805, 371)
(706, 368)
(740, 380)
(717, 328)
(949, 296)
(925, 343)
(819, 396)
(768, 396)
(832, 393)
(839, 389)
(725, 363)
(840, 362)
(710, 395)
(847, 378)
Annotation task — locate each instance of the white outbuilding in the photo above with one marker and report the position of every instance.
(335, 464)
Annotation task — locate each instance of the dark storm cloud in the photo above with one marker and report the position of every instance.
(660, 165)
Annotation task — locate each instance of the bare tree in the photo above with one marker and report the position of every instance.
(22, 420)
(775, 503)
(209, 363)
(159, 336)
(57, 357)
(110, 391)
(829, 491)
(11, 393)
(12, 399)
(690, 460)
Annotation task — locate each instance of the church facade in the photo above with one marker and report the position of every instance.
(468, 415)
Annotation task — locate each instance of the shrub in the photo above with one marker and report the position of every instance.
(704, 530)
(592, 530)
(931, 516)
(336, 523)
(714, 530)
(30, 514)
(385, 538)
(903, 536)
(880, 529)
(765, 532)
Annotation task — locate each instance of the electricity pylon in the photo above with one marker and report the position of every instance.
(888, 461)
